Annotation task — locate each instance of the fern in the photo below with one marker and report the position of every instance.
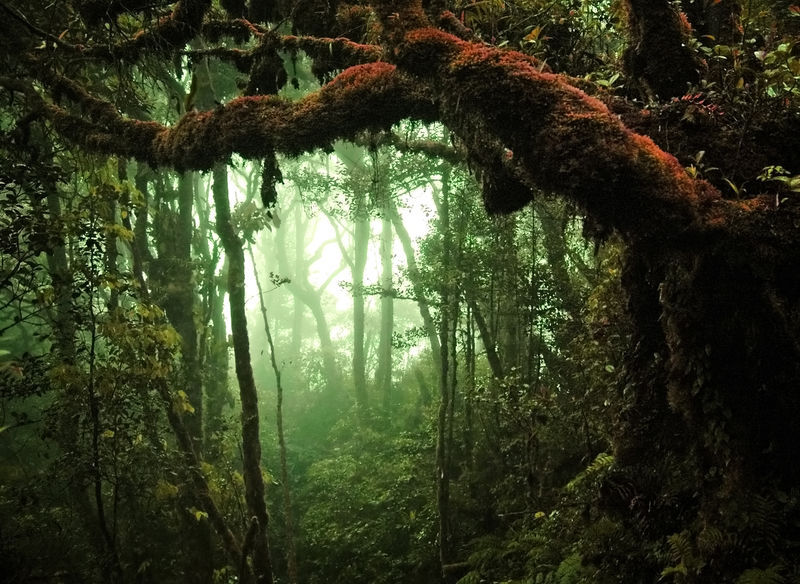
(711, 540)
(771, 575)
(680, 547)
(570, 570)
(682, 552)
(470, 578)
(678, 573)
(764, 521)
(599, 465)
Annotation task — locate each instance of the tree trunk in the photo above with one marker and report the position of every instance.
(213, 352)
(488, 342)
(299, 272)
(360, 247)
(180, 305)
(442, 454)
(383, 373)
(304, 294)
(251, 445)
(658, 56)
(419, 288)
(291, 553)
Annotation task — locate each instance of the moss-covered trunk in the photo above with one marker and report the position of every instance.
(251, 441)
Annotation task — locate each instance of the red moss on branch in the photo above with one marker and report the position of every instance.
(373, 96)
(564, 140)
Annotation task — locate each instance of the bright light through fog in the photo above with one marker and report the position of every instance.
(323, 243)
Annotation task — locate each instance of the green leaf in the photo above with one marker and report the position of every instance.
(198, 514)
(165, 490)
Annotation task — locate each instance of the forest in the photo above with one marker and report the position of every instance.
(423, 291)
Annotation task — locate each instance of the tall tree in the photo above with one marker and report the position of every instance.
(352, 158)
(258, 536)
(307, 295)
(383, 371)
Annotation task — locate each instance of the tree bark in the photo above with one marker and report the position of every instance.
(361, 234)
(291, 552)
(383, 372)
(418, 286)
(442, 454)
(251, 444)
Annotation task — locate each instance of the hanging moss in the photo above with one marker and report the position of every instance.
(658, 56)
(171, 33)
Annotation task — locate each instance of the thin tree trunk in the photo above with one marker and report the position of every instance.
(213, 351)
(291, 552)
(469, 394)
(65, 328)
(305, 294)
(180, 307)
(488, 342)
(216, 386)
(111, 564)
(251, 445)
(360, 248)
(383, 373)
(108, 215)
(58, 268)
(442, 470)
(419, 289)
(352, 157)
(200, 487)
(300, 271)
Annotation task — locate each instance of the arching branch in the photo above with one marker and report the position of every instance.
(371, 96)
(563, 140)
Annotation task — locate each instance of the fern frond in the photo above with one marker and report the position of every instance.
(680, 547)
(600, 464)
(771, 575)
(470, 578)
(711, 540)
(764, 520)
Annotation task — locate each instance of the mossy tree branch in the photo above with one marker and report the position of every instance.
(368, 96)
(565, 142)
